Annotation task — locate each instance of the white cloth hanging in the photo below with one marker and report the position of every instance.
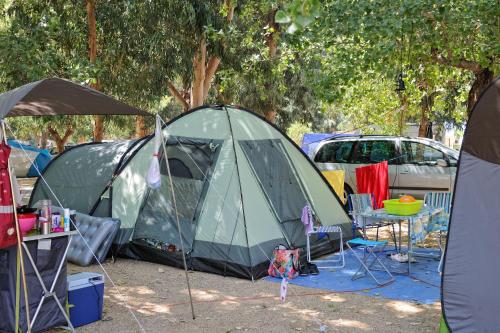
(153, 177)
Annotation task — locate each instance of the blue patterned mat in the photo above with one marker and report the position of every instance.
(423, 286)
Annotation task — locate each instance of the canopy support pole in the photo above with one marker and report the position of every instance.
(178, 223)
(19, 247)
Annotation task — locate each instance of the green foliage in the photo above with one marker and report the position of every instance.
(297, 130)
(370, 107)
(298, 14)
(335, 65)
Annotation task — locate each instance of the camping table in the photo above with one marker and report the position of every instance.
(47, 293)
(413, 220)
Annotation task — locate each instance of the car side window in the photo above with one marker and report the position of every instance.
(334, 152)
(418, 153)
(375, 151)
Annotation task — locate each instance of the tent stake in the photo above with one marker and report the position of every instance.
(19, 246)
(178, 224)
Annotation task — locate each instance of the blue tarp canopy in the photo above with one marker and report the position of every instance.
(311, 140)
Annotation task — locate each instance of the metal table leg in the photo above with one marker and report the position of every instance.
(410, 248)
(49, 293)
(400, 243)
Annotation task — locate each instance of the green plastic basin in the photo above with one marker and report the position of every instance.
(395, 207)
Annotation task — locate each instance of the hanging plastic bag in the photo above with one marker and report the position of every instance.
(153, 177)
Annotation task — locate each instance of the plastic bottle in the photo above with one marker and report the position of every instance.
(67, 221)
(72, 220)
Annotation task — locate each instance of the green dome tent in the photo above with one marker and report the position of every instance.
(240, 187)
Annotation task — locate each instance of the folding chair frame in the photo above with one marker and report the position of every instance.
(369, 252)
(337, 263)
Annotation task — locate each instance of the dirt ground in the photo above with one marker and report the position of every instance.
(157, 296)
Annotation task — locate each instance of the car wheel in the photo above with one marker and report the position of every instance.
(347, 191)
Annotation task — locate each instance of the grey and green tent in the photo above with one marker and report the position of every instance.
(240, 187)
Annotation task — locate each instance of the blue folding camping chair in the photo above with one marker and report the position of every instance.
(371, 256)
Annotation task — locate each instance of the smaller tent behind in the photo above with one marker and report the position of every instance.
(26, 160)
(81, 175)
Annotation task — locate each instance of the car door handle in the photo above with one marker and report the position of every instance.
(404, 172)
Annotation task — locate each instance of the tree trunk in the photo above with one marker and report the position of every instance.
(424, 123)
(482, 79)
(425, 110)
(402, 112)
(272, 44)
(60, 141)
(140, 128)
(98, 132)
(43, 140)
(199, 74)
(212, 66)
(271, 116)
(203, 71)
(426, 105)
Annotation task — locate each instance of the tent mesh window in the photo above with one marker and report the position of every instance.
(279, 181)
(190, 162)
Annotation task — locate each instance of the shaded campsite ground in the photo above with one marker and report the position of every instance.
(157, 295)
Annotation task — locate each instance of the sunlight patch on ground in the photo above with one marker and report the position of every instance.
(404, 307)
(334, 298)
(132, 297)
(204, 295)
(349, 323)
(150, 309)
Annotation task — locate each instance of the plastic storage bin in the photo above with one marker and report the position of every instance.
(85, 298)
(395, 207)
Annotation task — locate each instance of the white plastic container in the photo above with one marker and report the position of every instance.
(67, 221)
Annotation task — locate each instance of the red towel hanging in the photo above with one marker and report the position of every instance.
(374, 179)
(7, 227)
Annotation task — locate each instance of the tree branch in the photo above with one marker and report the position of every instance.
(53, 132)
(174, 92)
(461, 63)
(212, 65)
(68, 133)
(230, 11)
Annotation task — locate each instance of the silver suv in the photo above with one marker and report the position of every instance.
(416, 165)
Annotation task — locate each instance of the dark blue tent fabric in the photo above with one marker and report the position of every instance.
(40, 163)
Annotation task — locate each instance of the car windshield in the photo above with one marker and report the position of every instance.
(446, 149)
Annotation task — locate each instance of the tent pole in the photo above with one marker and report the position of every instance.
(19, 246)
(241, 191)
(178, 224)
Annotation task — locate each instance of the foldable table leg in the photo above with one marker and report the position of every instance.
(49, 293)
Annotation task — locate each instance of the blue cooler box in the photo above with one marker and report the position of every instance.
(85, 298)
